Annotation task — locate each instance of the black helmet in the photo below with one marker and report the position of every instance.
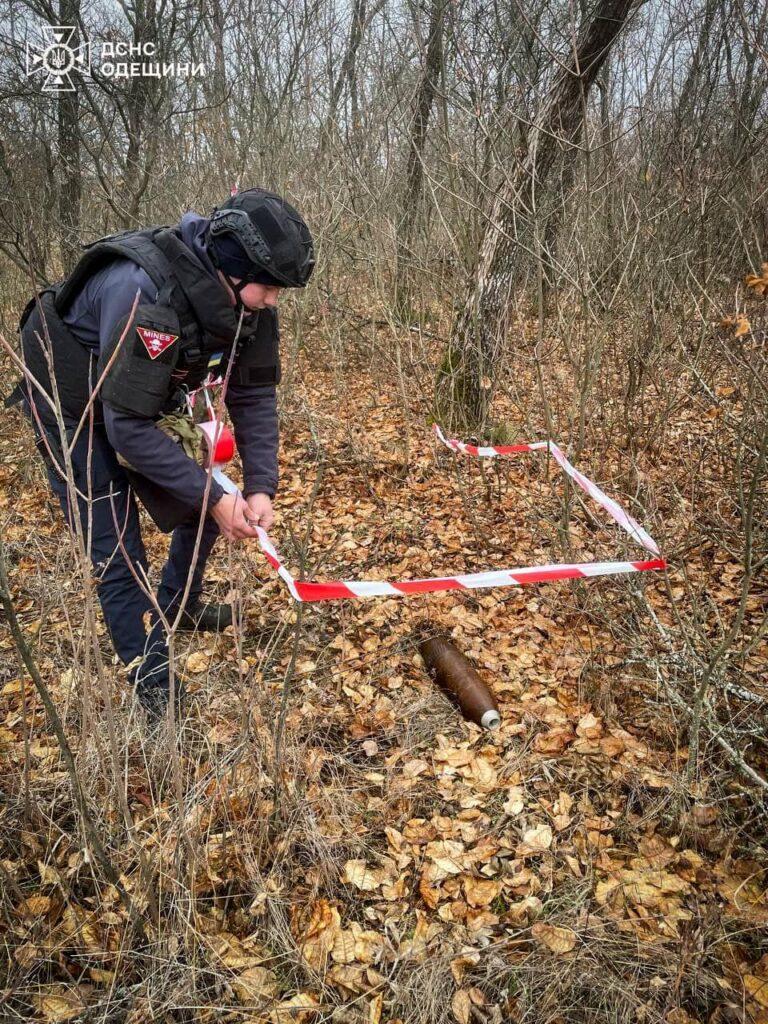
(272, 234)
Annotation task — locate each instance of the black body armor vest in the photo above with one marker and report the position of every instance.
(171, 345)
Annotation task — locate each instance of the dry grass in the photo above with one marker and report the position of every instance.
(235, 856)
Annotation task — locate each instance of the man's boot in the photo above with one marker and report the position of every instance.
(152, 685)
(205, 618)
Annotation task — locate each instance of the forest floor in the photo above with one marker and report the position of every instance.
(394, 862)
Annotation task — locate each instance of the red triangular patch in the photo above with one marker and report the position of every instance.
(155, 342)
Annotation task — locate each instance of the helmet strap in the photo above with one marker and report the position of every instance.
(237, 289)
(249, 315)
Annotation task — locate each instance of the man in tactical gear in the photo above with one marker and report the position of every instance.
(195, 280)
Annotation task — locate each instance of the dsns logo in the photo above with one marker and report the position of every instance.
(57, 58)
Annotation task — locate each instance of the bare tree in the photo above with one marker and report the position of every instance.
(414, 173)
(70, 171)
(465, 384)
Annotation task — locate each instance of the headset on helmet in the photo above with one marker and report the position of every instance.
(271, 232)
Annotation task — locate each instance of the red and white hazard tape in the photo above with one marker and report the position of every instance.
(614, 510)
(310, 591)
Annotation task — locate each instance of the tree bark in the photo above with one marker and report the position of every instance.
(70, 185)
(142, 127)
(348, 71)
(414, 174)
(465, 384)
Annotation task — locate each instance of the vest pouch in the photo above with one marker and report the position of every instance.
(258, 357)
(139, 379)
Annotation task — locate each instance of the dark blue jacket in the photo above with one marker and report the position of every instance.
(107, 297)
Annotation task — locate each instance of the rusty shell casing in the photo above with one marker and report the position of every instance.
(455, 674)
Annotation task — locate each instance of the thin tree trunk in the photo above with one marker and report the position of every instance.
(142, 127)
(414, 174)
(347, 70)
(70, 176)
(466, 380)
(692, 81)
(218, 93)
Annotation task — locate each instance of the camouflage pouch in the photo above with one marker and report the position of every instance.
(184, 431)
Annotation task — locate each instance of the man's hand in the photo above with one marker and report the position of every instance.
(261, 512)
(233, 516)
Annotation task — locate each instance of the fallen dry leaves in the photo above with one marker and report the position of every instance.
(415, 838)
(558, 940)
(58, 1003)
(535, 840)
(758, 282)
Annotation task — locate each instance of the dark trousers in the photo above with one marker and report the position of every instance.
(110, 523)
